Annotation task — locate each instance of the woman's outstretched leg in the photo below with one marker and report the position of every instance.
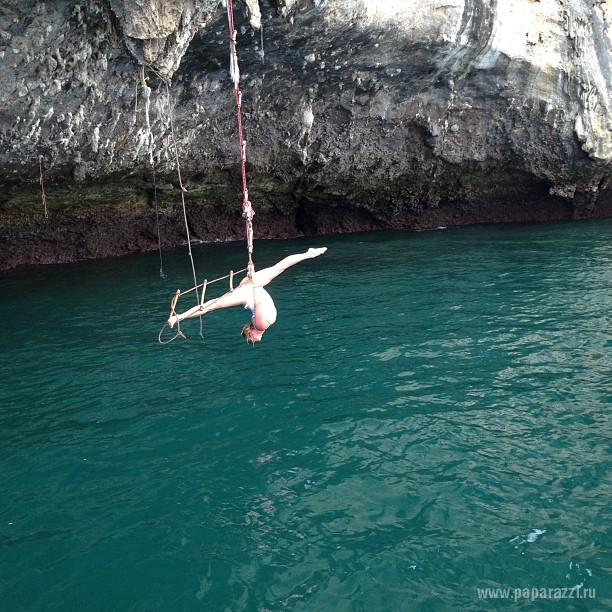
(263, 277)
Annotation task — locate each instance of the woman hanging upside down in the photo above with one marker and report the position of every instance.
(252, 295)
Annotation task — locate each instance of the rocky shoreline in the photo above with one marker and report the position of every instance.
(360, 115)
(97, 232)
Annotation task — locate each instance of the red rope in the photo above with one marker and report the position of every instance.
(247, 208)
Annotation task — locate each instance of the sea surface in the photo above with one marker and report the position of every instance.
(426, 427)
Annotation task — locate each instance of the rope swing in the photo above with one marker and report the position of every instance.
(247, 209)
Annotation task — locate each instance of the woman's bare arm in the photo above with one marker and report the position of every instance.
(237, 297)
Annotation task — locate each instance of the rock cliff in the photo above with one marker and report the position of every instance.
(358, 114)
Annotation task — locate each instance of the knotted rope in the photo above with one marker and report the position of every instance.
(247, 209)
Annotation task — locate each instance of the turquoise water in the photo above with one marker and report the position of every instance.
(429, 416)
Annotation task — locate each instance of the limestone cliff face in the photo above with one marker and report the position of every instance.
(358, 114)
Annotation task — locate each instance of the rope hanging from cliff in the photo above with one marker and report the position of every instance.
(183, 190)
(247, 208)
(42, 187)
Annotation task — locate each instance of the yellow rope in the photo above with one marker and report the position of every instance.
(230, 276)
(174, 301)
(203, 293)
(178, 294)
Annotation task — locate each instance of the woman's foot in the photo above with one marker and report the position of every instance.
(172, 320)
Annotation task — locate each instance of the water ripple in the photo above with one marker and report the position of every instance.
(429, 415)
